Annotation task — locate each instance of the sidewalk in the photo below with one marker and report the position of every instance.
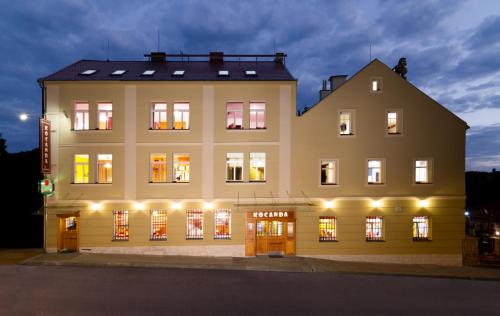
(264, 263)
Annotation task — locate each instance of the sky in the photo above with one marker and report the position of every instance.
(452, 48)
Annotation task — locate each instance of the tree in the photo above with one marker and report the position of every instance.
(3, 146)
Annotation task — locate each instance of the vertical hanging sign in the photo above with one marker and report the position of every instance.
(45, 145)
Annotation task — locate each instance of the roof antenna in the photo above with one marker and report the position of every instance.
(274, 46)
(370, 52)
(158, 33)
(107, 52)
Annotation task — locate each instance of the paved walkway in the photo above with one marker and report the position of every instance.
(264, 263)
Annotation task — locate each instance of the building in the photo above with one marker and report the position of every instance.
(206, 155)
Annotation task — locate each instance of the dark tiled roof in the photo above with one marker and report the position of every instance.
(194, 71)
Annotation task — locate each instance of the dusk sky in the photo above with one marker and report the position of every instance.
(452, 48)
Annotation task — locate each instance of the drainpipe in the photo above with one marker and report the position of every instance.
(44, 207)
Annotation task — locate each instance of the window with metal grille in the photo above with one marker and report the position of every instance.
(374, 228)
(158, 225)
(120, 225)
(104, 168)
(194, 224)
(159, 116)
(421, 228)
(222, 220)
(327, 228)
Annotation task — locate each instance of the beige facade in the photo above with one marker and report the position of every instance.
(294, 148)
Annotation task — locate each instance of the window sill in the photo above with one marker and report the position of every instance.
(119, 240)
(422, 239)
(159, 130)
(329, 184)
(96, 130)
(247, 130)
(246, 182)
(200, 238)
(375, 183)
(370, 240)
(167, 183)
(347, 135)
(422, 183)
(328, 240)
(222, 238)
(157, 239)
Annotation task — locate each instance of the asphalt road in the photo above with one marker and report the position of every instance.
(52, 290)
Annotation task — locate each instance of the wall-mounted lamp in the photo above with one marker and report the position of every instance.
(328, 204)
(139, 206)
(376, 204)
(95, 206)
(423, 203)
(176, 205)
(208, 205)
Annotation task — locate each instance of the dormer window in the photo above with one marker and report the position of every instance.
(250, 73)
(148, 72)
(223, 73)
(178, 73)
(118, 72)
(88, 72)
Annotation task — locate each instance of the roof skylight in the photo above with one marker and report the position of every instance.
(118, 72)
(224, 73)
(250, 73)
(148, 72)
(88, 72)
(179, 72)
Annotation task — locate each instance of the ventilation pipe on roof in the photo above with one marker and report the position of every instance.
(216, 57)
(335, 82)
(280, 58)
(324, 91)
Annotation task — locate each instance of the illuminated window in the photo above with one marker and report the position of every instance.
(159, 116)
(376, 85)
(223, 73)
(105, 115)
(222, 220)
(375, 172)
(422, 171)
(328, 172)
(234, 167)
(118, 72)
(158, 225)
(81, 117)
(181, 116)
(257, 167)
(181, 168)
(275, 229)
(194, 224)
(394, 120)
(234, 116)
(148, 72)
(327, 228)
(70, 223)
(250, 73)
(120, 225)
(88, 72)
(345, 123)
(158, 167)
(374, 228)
(104, 168)
(81, 169)
(257, 115)
(421, 228)
(261, 228)
(178, 73)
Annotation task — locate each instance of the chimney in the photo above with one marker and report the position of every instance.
(280, 58)
(336, 81)
(216, 57)
(323, 92)
(157, 57)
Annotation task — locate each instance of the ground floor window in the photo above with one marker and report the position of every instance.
(327, 228)
(222, 220)
(120, 225)
(421, 228)
(194, 224)
(158, 225)
(374, 228)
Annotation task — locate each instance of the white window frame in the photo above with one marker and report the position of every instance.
(399, 122)
(174, 179)
(182, 114)
(77, 164)
(108, 113)
(379, 84)
(430, 171)
(234, 116)
(382, 171)
(85, 117)
(234, 168)
(153, 111)
(165, 166)
(250, 166)
(99, 163)
(257, 111)
(352, 115)
(335, 172)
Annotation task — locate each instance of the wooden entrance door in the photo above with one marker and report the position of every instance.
(273, 235)
(68, 232)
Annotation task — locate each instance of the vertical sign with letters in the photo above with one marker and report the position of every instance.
(45, 145)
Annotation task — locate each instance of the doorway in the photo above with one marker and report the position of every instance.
(270, 233)
(68, 232)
